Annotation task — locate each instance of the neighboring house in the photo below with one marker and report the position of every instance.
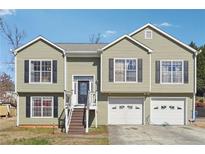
(8, 98)
(146, 77)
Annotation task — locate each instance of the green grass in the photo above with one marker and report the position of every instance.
(31, 141)
(100, 129)
(34, 130)
(45, 136)
(102, 141)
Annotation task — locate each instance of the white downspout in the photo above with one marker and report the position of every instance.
(96, 109)
(65, 88)
(150, 70)
(194, 90)
(65, 77)
(17, 96)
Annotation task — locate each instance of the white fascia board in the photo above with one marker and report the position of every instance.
(83, 53)
(128, 37)
(142, 45)
(36, 39)
(164, 33)
(83, 56)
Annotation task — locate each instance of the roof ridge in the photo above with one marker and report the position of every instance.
(78, 43)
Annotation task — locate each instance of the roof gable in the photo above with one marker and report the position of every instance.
(129, 38)
(165, 34)
(36, 40)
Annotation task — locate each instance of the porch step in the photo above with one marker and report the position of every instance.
(78, 114)
(76, 127)
(77, 119)
(73, 120)
(76, 133)
(79, 109)
(77, 122)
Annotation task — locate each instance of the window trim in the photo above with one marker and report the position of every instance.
(30, 82)
(177, 60)
(114, 59)
(31, 105)
(145, 36)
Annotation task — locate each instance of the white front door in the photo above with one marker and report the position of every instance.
(125, 111)
(167, 111)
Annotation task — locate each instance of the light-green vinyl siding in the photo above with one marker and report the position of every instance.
(40, 50)
(165, 49)
(23, 120)
(125, 49)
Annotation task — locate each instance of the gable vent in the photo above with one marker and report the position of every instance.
(148, 34)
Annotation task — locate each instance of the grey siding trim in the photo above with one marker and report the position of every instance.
(186, 72)
(111, 70)
(157, 71)
(140, 70)
(26, 71)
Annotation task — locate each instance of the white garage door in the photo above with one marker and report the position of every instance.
(167, 111)
(125, 110)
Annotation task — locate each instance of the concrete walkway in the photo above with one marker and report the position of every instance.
(169, 135)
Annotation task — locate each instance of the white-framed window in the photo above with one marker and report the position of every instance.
(125, 70)
(171, 71)
(148, 34)
(40, 71)
(42, 106)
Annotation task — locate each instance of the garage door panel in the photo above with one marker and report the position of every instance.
(170, 111)
(125, 111)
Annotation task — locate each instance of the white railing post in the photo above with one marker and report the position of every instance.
(66, 120)
(66, 111)
(87, 111)
(68, 106)
(87, 115)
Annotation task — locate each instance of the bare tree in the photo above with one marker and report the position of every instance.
(95, 38)
(13, 35)
(6, 85)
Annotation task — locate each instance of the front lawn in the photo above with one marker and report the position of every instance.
(44, 136)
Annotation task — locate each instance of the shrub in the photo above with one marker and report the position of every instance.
(201, 100)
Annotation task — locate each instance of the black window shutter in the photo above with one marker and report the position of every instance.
(140, 67)
(186, 72)
(111, 70)
(157, 72)
(28, 106)
(26, 71)
(54, 71)
(55, 109)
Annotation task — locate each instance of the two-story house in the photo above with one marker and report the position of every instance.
(146, 77)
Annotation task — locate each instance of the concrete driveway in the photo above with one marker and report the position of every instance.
(124, 134)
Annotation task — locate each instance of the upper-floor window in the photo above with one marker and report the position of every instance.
(148, 34)
(125, 70)
(41, 71)
(42, 106)
(171, 71)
